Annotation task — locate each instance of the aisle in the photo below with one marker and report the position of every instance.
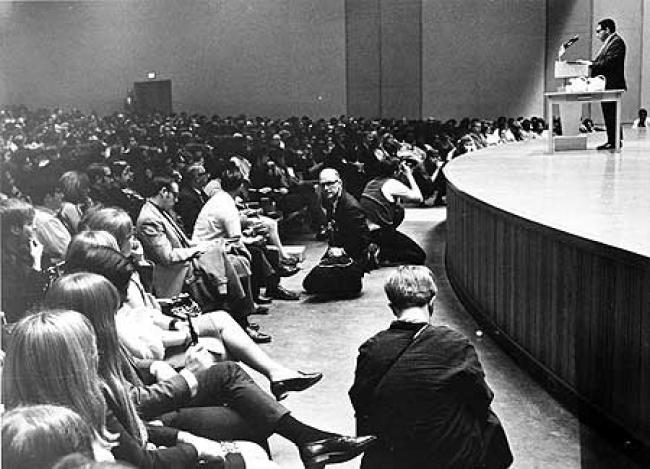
(313, 336)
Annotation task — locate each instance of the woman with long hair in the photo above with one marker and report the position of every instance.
(22, 257)
(76, 200)
(53, 359)
(145, 331)
(193, 399)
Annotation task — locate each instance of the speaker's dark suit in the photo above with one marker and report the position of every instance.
(610, 62)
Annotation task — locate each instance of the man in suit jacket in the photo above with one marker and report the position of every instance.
(345, 217)
(610, 62)
(341, 269)
(192, 198)
(164, 241)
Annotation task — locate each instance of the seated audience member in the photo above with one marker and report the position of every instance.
(125, 196)
(476, 133)
(76, 199)
(58, 340)
(23, 278)
(37, 436)
(422, 390)
(192, 198)
(101, 183)
(148, 334)
(641, 122)
(47, 345)
(50, 231)
(380, 202)
(164, 241)
(465, 145)
(341, 269)
(220, 220)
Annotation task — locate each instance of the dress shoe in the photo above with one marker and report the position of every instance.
(263, 300)
(334, 450)
(257, 336)
(281, 293)
(287, 271)
(605, 146)
(291, 261)
(281, 388)
(261, 310)
(373, 256)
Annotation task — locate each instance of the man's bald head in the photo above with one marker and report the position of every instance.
(330, 184)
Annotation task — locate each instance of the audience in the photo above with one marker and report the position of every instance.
(43, 350)
(47, 345)
(74, 188)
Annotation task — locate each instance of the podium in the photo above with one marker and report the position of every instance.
(573, 98)
(570, 112)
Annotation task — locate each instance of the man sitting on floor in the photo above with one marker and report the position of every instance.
(342, 267)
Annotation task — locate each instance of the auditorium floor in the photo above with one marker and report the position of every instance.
(313, 336)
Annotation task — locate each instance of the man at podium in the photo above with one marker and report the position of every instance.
(610, 62)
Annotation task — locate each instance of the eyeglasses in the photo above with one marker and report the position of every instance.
(328, 183)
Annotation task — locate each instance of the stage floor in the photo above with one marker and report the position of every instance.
(597, 195)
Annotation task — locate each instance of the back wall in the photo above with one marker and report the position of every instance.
(276, 58)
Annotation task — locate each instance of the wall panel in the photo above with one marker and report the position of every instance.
(483, 58)
(275, 58)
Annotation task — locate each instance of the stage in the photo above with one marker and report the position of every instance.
(597, 195)
(551, 253)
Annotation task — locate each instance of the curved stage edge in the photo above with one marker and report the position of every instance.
(573, 311)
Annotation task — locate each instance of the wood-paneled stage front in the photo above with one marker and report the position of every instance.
(551, 253)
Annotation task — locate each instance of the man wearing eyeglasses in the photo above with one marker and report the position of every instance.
(610, 62)
(340, 270)
(346, 220)
(164, 241)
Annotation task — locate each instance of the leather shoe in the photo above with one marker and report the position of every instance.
(263, 300)
(257, 336)
(261, 310)
(280, 389)
(605, 146)
(287, 271)
(334, 450)
(281, 293)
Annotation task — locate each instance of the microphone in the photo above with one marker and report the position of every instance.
(566, 45)
(571, 41)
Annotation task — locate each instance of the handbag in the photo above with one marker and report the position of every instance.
(202, 288)
(180, 306)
